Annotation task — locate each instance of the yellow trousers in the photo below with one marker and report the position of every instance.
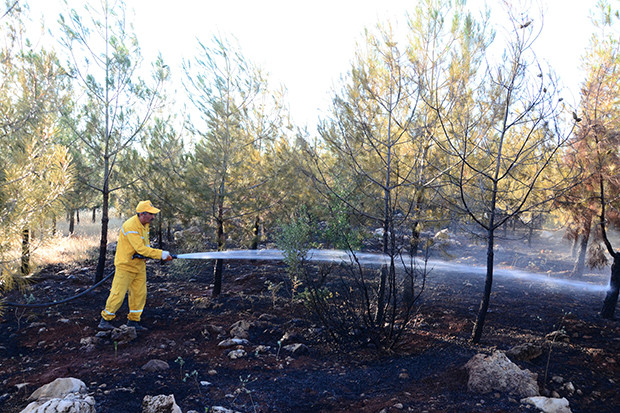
(126, 282)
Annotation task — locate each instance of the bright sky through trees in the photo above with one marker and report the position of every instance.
(306, 46)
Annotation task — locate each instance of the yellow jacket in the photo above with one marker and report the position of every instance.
(134, 239)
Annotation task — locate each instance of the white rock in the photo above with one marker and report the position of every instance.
(231, 342)
(497, 373)
(237, 354)
(59, 388)
(569, 387)
(557, 379)
(548, 405)
(160, 404)
(220, 409)
(71, 403)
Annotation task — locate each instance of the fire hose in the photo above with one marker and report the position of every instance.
(66, 300)
(52, 303)
(270, 255)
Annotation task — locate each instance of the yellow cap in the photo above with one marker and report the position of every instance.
(146, 206)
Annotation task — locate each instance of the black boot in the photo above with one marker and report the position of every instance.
(136, 325)
(105, 325)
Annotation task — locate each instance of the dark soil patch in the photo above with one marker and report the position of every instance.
(425, 373)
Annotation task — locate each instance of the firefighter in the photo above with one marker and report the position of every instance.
(130, 272)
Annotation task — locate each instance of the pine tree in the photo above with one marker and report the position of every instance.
(35, 170)
(238, 119)
(105, 58)
(503, 140)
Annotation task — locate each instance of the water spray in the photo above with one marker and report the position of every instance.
(364, 258)
(370, 259)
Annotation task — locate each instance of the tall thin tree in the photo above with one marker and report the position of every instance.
(104, 60)
(237, 122)
(504, 142)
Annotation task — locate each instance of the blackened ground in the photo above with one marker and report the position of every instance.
(424, 374)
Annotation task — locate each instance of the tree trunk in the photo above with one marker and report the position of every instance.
(217, 269)
(611, 298)
(573, 252)
(414, 244)
(486, 298)
(77, 215)
(103, 244)
(255, 234)
(416, 227)
(25, 267)
(71, 222)
(580, 264)
(94, 214)
(384, 276)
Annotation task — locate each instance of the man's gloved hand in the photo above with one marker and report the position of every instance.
(165, 256)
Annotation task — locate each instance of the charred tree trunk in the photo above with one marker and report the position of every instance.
(218, 266)
(25, 267)
(94, 214)
(71, 222)
(611, 298)
(255, 234)
(414, 245)
(416, 225)
(488, 285)
(103, 244)
(384, 277)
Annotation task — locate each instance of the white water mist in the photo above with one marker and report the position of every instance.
(369, 259)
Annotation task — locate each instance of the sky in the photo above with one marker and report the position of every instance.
(307, 46)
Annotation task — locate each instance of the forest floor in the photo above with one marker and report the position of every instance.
(424, 374)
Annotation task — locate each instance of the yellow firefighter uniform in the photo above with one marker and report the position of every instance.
(130, 274)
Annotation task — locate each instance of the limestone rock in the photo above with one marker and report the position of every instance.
(548, 405)
(124, 334)
(240, 329)
(160, 404)
(232, 342)
(297, 349)
(220, 409)
(70, 403)
(237, 354)
(558, 336)
(569, 388)
(497, 373)
(59, 388)
(289, 337)
(155, 365)
(525, 352)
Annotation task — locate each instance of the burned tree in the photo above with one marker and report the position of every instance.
(504, 138)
